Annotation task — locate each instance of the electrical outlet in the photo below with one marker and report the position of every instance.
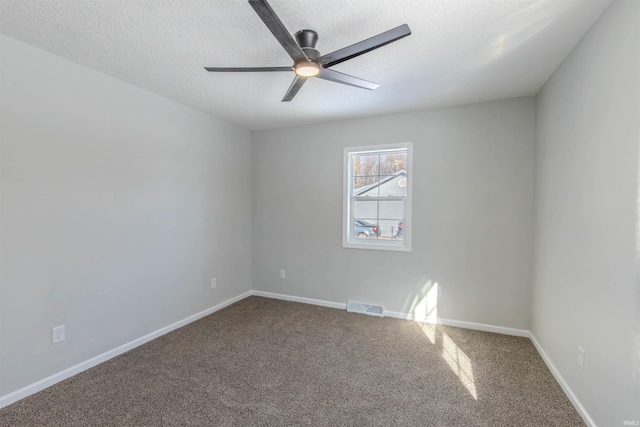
(213, 283)
(283, 274)
(57, 334)
(580, 357)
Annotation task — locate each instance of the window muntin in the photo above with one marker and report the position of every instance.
(377, 202)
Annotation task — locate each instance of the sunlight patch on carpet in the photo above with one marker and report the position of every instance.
(459, 363)
(428, 330)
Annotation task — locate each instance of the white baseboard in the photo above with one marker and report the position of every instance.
(563, 384)
(462, 324)
(76, 369)
(304, 300)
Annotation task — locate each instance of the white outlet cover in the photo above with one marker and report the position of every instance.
(581, 357)
(214, 283)
(57, 334)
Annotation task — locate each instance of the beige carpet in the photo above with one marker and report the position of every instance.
(270, 362)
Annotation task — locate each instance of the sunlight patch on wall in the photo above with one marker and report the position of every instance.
(425, 306)
(459, 363)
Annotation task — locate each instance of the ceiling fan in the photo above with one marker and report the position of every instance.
(307, 61)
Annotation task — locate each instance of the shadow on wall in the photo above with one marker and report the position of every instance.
(424, 310)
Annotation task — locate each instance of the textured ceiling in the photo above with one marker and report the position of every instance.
(460, 51)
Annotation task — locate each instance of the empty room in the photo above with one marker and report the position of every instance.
(320, 212)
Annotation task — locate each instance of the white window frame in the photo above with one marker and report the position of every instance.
(348, 239)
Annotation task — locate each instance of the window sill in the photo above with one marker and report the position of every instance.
(377, 246)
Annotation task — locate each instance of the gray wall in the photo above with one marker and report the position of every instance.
(585, 288)
(116, 212)
(472, 213)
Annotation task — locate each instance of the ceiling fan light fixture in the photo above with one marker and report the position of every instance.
(307, 69)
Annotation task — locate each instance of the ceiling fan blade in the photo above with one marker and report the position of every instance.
(346, 79)
(247, 69)
(364, 46)
(294, 88)
(278, 29)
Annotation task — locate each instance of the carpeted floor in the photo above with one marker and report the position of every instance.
(270, 362)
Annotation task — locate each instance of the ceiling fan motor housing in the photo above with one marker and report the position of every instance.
(307, 40)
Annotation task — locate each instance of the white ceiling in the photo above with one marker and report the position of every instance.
(460, 51)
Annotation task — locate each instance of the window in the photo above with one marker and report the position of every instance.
(377, 197)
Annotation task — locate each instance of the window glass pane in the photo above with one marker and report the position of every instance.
(394, 185)
(390, 229)
(365, 229)
(364, 209)
(391, 209)
(366, 165)
(393, 162)
(365, 186)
